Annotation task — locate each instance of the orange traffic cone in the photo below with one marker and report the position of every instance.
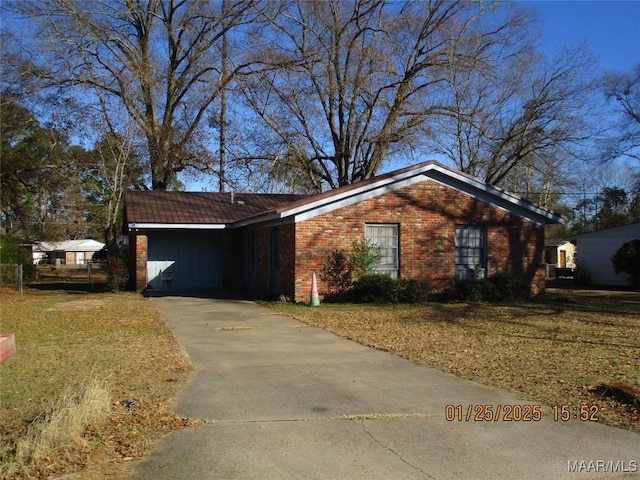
(315, 300)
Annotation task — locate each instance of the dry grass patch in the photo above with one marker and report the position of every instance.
(56, 437)
(65, 341)
(555, 351)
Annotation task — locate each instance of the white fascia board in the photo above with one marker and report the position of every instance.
(356, 191)
(333, 202)
(372, 192)
(450, 179)
(176, 226)
(261, 219)
(492, 196)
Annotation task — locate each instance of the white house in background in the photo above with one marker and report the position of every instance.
(594, 252)
(560, 253)
(69, 252)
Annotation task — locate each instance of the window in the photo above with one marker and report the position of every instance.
(470, 244)
(385, 238)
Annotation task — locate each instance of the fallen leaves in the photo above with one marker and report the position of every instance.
(65, 339)
(553, 351)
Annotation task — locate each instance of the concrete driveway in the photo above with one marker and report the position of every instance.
(283, 400)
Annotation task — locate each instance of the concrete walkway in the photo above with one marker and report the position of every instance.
(283, 400)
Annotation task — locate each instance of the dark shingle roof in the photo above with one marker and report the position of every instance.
(203, 208)
(199, 207)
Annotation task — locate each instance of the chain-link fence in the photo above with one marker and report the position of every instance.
(11, 274)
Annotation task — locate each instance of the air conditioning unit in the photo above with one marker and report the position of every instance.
(464, 272)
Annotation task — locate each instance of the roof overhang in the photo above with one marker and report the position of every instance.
(302, 210)
(460, 182)
(176, 226)
(494, 196)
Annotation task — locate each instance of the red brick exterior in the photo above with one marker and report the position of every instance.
(138, 265)
(274, 277)
(426, 214)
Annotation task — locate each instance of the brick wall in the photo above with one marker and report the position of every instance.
(287, 239)
(427, 214)
(280, 280)
(138, 266)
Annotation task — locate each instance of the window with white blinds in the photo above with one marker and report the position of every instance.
(384, 237)
(470, 247)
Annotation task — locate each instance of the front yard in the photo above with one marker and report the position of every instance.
(71, 346)
(555, 350)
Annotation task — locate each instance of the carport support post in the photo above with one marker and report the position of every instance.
(140, 265)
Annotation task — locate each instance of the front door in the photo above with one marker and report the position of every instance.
(274, 260)
(563, 259)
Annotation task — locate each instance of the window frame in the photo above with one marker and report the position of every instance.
(475, 265)
(391, 269)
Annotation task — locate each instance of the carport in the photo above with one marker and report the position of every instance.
(184, 259)
(186, 240)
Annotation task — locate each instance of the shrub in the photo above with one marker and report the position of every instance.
(12, 252)
(336, 273)
(375, 289)
(475, 290)
(502, 287)
(363, 258)
(411, 290)
(117, 273)
(627, 260)
(509, 288)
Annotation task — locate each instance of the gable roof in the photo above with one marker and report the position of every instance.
(146, 209)
(321, 203)
(85, 245)
(631, 229)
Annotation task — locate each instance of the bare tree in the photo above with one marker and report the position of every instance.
(624, 89)
(159, 58)
(360, 69)
(111, 168)
(371, 78)
(514, 119)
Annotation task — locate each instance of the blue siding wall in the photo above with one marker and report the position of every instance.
(184, 259)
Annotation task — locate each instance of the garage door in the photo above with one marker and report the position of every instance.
(184, 260)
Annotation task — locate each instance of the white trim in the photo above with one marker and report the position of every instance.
(360, 190)
(476, 190)
(260, 219)
(448, 178)
(176, 226)
(509, 199)
(374, 191)
(488, 197)
(451, 179)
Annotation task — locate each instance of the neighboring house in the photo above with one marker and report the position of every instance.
(594, 252)
(69, 252)
(560, 253)
(430, 222)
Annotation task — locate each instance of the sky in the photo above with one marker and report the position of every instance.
(611, 29)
